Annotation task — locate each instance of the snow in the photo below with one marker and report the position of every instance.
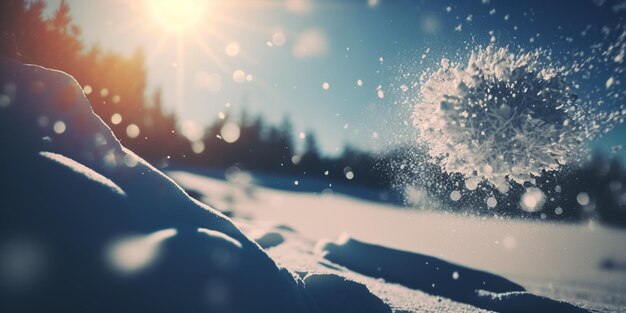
(83, 171)
(93, 224)
(333, 293)
(560, 261)
(89, 220)
(502, 116)
(269, 240)
(532, 200)
(134, 253)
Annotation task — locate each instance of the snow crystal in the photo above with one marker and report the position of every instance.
(455, 275)
(532, 200)
(197, 147)
(132, 131)
(230, 132)
(609, 82)
(347, 171)
(445, 63)
(471, 183)
(492, 202)
(583, 198)
(455, 195)
(116, 118)
(359, 83)
(232, 49)
(379, 92)
(619, 58)
(59, 127)
(278, 39)
(295, 159)
(239, 76)
(503, 115)
(325, 86)
(192, 130)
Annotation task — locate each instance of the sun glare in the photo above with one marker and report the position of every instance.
(177, 14)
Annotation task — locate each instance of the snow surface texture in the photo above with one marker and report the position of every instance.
(567, 267)
(87, 226)
(503, 115)
(438, 277)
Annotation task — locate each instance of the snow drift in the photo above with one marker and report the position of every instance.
(87, 226)
(441, 278)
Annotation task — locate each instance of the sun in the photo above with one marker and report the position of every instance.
(177, 14)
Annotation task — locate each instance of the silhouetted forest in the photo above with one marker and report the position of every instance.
(116, 87)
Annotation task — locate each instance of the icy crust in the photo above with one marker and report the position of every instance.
(87, 226)
(501, 115)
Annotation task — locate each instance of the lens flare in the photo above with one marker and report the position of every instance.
(177, 15)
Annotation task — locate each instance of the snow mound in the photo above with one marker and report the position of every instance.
(83, 170)
(523, 302)
(437, 277)
(501, 115)
(270, 239)
(89, 226)
(337, 294)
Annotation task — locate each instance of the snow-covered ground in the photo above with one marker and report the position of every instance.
(89, 226)
(561, 261)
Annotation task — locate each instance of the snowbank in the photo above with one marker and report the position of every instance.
(88, 226)
(554, 260)
(337, 294)
(438, 277)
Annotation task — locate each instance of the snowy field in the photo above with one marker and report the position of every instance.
(561, 261)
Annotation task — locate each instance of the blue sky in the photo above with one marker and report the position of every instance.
(380, 43)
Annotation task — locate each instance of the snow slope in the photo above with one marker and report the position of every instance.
(561, 261)
(87, 226)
